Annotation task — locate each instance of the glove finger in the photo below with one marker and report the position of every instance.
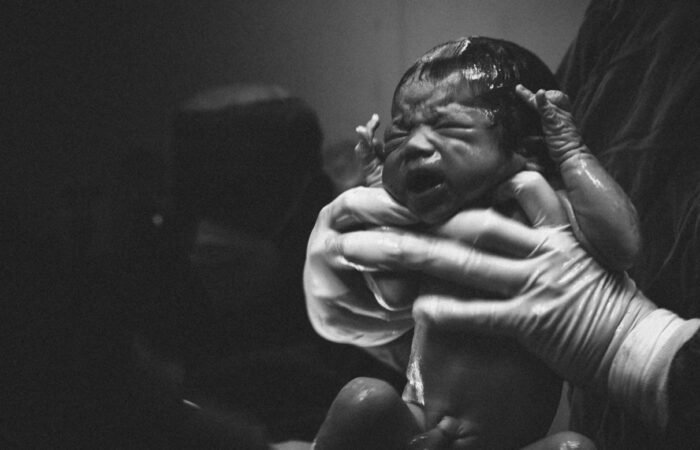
(392, 249)
(370, 319)
(368, 307)
(334, 321)
(536, 197)
(488, 230)
(492, 317)
(366, 206)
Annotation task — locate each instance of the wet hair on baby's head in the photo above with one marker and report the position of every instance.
(492, 68)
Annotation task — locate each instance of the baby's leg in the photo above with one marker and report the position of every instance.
(367, 414)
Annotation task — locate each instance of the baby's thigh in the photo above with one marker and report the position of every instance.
(367, 414)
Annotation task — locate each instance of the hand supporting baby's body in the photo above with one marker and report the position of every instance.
(453, 375)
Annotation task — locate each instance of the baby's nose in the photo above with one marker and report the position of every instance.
(419, 145)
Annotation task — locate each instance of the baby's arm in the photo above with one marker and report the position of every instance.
(602, 216)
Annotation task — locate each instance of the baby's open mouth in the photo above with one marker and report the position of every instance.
(423, 179)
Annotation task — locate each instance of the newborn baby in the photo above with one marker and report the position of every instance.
(462, 124)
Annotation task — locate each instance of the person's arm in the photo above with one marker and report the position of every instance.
(592, 326)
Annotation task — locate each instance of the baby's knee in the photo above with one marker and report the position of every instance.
(369, 414)
(366, 402)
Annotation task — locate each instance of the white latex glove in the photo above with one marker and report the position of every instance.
(592, 326)
(340, 306)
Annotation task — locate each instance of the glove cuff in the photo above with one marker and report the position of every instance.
(638, 377)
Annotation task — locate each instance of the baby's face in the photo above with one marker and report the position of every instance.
(443, 153)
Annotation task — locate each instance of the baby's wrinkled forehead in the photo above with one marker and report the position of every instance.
(421, 101)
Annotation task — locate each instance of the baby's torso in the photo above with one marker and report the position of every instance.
(492, 385)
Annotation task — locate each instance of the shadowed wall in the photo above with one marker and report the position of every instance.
(86, 83)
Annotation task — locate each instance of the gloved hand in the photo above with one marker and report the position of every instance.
(339, 304)
(601, 215)
(592, 326)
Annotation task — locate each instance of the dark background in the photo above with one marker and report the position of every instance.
(88, 85)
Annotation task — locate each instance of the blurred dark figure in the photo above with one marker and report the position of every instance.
(165, 309)
(73, 378)
(247, 187)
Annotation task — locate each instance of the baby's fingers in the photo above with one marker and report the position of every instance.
(373, 124)
(491, 317)
(527, 96)
(398, 250)
(367, 150)
(542, 100)
(366, 132)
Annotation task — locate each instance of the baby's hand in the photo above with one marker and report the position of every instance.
(601, 215)
(368, 150)
(394, 291)
(560, 132)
